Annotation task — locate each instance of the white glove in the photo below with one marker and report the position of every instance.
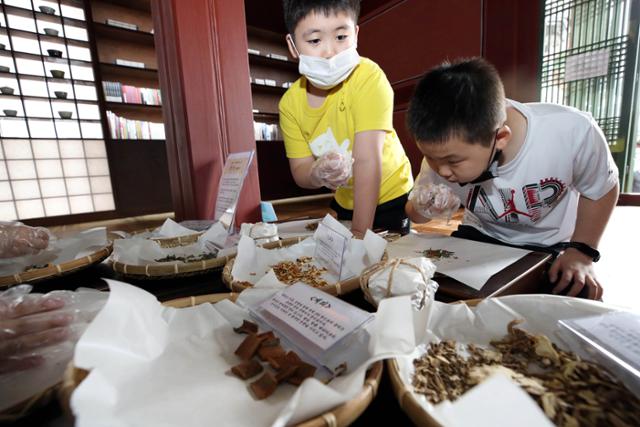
(434, 201)
(17, 240)
(331, 170)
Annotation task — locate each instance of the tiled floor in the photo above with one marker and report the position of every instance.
(618, 270)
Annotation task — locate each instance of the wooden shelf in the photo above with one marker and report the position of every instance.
(45, 58)
(260, 59)
(48, 79)
(123, 34)
(132, 106)
(143, 5)
(119, 140)
(45, 37)
(57, 119)
(53, 98)
(125, 70)
(56, 19)
(266, 116)
(266, 88)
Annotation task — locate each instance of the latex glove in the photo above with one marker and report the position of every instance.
(434, 201)
(29, 322)
(331, 170)
(17, 240)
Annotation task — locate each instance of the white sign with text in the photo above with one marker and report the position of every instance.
(234, 172)
(330, 248)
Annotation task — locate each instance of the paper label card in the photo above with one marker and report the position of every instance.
(330, 248)
(315, 315)
(234, 172)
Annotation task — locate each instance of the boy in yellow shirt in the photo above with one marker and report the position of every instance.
(337, 119)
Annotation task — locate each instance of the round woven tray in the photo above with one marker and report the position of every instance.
(340, 416)
(339, 288)
(170, 270)
(404, 394)
(54, 270)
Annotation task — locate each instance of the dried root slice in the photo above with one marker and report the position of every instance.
(248, 348)
(264, 386)
(247, 369)
(247, 327)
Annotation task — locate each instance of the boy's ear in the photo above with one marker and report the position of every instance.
(291, 45)
(503, 137)
(357, 29)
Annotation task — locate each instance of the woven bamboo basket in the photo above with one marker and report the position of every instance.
(339, 416)
(170, 270)
(406, 398)
(54, 270)
(336, 289)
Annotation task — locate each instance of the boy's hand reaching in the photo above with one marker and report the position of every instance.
(331, 170)
(574, 268)
(434, 201)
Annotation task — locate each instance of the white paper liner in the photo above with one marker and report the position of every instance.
(472, 263)
(59, 251)
(254, 263)
(140, 250)
(153, 365)
(488, 321)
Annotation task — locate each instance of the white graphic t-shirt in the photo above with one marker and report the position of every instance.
(534, 198)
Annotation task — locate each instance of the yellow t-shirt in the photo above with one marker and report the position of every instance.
(364, 101)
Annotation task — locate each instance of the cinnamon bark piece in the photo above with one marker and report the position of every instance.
(264, 386)
(248, 369)
(270, 351)
(248, 348)
(303, 371)
(247, 327)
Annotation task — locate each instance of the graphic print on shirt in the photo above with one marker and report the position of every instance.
(539, 198)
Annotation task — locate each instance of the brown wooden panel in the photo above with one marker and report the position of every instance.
(140, 167)
(276, 181)
(414, 35)
(102, 11)
(512, 43)
(409, 144)
(110, 49)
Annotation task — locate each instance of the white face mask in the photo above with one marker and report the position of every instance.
(327, 73)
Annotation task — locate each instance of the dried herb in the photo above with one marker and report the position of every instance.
(188, 258)
(571, 391)
(437, 254)
(300, 270)
(312, 226)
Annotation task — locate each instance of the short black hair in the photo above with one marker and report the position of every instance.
(296, 10)
(464, 99)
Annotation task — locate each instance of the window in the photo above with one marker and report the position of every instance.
(52, 153)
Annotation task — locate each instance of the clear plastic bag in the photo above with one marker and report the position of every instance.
(38, 333)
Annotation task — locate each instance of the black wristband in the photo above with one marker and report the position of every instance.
(593, 253)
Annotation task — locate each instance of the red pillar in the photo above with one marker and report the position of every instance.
(204, 74)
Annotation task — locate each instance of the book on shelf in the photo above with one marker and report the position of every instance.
(120, 24)
(266, 131)
(129, 63)
(123, 128)
(278, 56)
(117, 92)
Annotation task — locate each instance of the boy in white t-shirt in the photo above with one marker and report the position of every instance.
(534, 175)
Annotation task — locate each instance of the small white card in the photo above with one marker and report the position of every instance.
(234, 172)
(316, 316)
(330, 248)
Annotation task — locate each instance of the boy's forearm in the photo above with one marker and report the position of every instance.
(367, 175)
(593, 216)
(366, 183)
(301, 172)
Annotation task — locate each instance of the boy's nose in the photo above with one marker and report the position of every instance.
(329, 51)
(444, 171)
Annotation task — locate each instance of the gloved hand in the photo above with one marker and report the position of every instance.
(28, 322)
(17, 240)
(434, 201)
(331, 170)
